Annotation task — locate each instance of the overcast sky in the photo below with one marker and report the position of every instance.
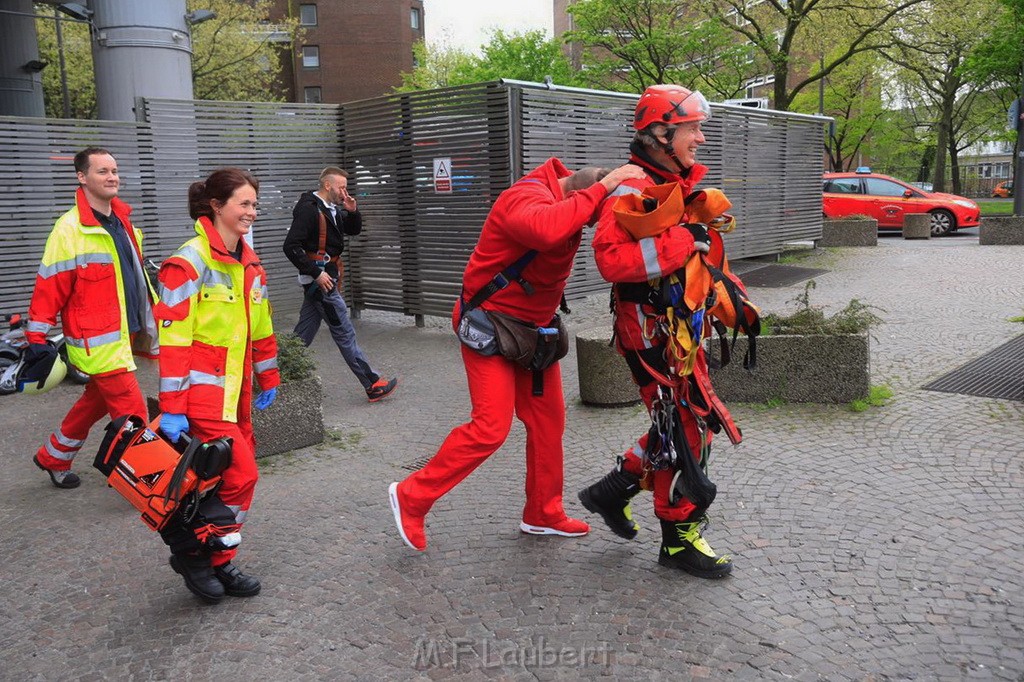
(468, 23)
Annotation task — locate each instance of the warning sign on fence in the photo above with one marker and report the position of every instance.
(443, 176)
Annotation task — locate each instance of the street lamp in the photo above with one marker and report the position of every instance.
(198, 16)
(76, 11)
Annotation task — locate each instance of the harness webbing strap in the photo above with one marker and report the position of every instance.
(512, 273)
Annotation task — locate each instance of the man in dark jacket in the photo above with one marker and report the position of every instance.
(314, 244)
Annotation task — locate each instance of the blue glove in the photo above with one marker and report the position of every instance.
(263, 400)
(173, 425)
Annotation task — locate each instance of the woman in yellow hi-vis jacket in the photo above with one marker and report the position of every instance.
(216, 331)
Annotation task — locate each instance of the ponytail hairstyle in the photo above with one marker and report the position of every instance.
(219, 187)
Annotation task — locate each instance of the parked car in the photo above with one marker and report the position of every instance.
(1004, 190)
(887, 200)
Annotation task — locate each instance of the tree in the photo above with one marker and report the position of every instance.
(437, 67)
(528, 56)
(233, 56)
(851, 95)
(631, 44)
(791, 35)
(932, 54)
(78, 71)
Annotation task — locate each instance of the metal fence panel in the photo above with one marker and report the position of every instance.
(416, 241)
(38, 183)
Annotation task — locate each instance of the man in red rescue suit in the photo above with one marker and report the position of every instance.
(91, 274)
(667, 121)
(545, 212)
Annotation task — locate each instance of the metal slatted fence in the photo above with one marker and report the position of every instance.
(416, 241)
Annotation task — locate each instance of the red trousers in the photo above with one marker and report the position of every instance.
(239, 479)
(662, 479)
(499, 389)
(113, 395)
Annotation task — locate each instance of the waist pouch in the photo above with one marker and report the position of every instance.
(529, 346)
(491, 333)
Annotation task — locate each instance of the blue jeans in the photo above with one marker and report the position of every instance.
(344, 334)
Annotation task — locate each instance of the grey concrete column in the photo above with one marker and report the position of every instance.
(140, 49)
(21, 87)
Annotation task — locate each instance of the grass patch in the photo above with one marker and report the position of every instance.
(877, 396)
(1019, 318)
(995, 207)
(770, 404)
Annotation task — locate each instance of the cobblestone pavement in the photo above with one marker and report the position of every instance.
(876, 545)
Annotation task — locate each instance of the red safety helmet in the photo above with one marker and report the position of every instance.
(670, 104)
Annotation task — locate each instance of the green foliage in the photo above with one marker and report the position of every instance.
(233, 58)
(855, 318)
(631, 44)
(1019, 318)
(993, 207)
(437, 67)
(294, 360)
(877, 396)
(528, 56)
(78, 71)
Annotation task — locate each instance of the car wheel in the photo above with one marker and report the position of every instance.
(943, 222)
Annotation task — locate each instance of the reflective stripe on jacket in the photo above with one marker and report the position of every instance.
(80, 277)
(215, 327)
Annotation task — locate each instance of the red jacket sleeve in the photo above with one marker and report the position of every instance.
(620, 258)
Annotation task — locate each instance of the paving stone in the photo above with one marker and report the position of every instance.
(881, 545)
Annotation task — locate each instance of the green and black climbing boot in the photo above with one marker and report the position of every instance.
(683, 547)
(610, 498)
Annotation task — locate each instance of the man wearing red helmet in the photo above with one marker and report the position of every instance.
(668, 122)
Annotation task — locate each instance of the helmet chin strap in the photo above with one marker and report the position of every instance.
(670, 151)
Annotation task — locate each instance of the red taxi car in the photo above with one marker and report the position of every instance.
(887, 200)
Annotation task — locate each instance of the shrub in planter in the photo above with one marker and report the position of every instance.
(804, 357)
(295, 419)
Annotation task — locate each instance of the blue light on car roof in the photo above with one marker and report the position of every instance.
(864, 169)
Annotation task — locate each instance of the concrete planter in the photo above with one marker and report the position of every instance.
(799, 369)
(1002, 231)
(295, 420)
(605, 380)
(849, 232)
(917, 226)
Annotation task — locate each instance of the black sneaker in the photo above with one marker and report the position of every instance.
(236, 583)
(683, 548)
(61, 479)
(381, 389)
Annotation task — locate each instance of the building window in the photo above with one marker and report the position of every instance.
(310, 57)
(414, 18)
(313, 95)
(307, 15)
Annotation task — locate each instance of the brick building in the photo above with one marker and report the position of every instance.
(349, 49)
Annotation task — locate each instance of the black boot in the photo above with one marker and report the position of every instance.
(236, 583)
(199, 577)
(683, 547)
(610, 498)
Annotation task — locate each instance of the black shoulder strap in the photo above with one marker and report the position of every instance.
(510, 274)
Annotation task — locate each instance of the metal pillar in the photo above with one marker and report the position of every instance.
(140, 49)
(21, 86)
